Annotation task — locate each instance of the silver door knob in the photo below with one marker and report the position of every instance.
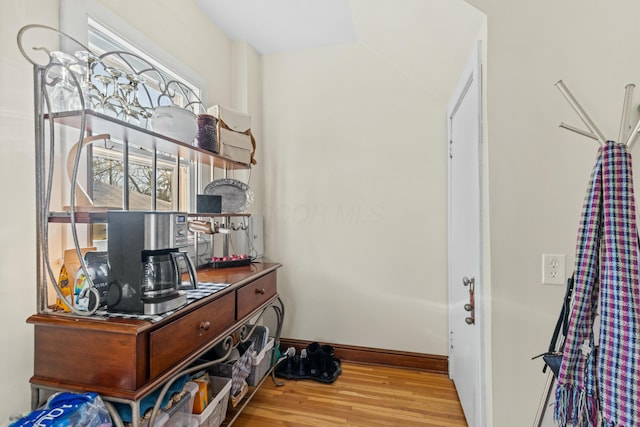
(469, 320)
(468, 307)
(466, 281)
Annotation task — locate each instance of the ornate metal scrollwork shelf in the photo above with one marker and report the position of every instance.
(112, 94)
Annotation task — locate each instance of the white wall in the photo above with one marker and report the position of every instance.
(355, 201)
(355, 176)
(246, 80)
(17, 252)
(538, 173)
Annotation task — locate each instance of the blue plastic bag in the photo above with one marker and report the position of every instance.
(68, 410)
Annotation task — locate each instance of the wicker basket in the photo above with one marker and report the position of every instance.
(216, 411)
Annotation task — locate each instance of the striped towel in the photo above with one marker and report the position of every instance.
(597, 381)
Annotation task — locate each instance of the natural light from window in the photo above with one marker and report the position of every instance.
(107, 166)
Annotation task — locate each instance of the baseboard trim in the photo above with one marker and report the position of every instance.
(376, 356)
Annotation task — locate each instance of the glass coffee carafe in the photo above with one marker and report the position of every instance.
(162, 273)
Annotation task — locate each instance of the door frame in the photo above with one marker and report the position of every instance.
(473, 70)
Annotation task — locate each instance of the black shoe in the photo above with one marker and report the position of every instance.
(302, 364)
(315, 359)
(327, 365)
(288, 366)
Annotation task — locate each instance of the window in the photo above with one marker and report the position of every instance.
(102, 30)
(106, 165)
(102, 40)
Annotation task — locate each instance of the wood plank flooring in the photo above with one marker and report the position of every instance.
(363, 395)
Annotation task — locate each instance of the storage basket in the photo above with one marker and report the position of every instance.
(179, 413)
(260, 364)
(235, 146)
(216, 411)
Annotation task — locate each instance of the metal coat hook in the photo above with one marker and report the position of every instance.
(625, 137)
(593, 129)
(633, 136)
(578, 130)
(624, 120)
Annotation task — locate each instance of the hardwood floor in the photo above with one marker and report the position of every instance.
(363, 395)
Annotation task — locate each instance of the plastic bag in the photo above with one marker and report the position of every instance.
(69, 410)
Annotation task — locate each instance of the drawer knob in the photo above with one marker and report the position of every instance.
(204, 326)
(260, 291)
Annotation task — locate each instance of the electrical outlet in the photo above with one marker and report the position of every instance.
(553, 269)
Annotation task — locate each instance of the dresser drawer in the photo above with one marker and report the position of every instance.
(86, 356)
(256, 293)
(177, 340)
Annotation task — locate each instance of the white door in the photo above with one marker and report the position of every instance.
(464, 118)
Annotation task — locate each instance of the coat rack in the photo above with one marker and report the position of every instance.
(625, 137)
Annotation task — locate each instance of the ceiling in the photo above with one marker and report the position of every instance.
(274, 26)
(429, 41)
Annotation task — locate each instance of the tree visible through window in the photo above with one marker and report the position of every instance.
(110, 171)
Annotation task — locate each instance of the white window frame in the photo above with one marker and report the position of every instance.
(74, 21)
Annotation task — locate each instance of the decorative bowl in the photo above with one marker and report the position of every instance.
(175, 122)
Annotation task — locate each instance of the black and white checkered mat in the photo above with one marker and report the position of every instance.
(203, 290)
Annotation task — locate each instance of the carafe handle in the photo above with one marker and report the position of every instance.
(190, 268)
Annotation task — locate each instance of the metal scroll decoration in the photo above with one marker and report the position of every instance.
(119, 84)
(70, 79)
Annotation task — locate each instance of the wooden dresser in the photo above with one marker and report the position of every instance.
(126, 359)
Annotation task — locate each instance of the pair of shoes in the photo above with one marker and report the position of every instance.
(323, 366)
(329, 366)
(316, 362)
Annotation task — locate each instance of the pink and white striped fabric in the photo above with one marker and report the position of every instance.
(598, 382)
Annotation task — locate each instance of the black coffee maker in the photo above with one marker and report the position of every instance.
(144, 249)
